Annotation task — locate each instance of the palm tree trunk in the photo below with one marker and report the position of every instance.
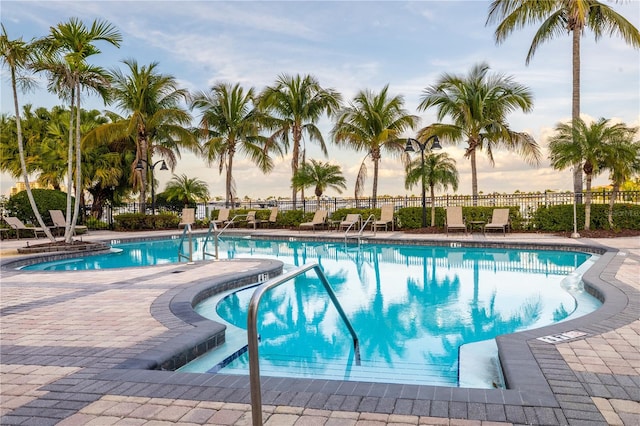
(612, 201)
(297, 136)
(69, 214)
(474, 178)
(229, 196)
(142, 142)
(433, 204)
(575, 107)
(587, 204)
(78, 185)
(23, 164)
(376, 161)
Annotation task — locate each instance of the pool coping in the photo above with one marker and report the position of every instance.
(525, 359)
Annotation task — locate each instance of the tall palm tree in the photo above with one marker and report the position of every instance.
(622, 159)
(155, 121)
(230, 123)
(439, 172)
(373, 123)
(17, 55)
(586, 144)
(320, 175)
(478, 105)
(64, 57)
(188, 190)
(296, 104)
(557, 17)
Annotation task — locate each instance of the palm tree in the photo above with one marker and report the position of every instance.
(588, 145)
(296, 104)
(622, 159)
(558, 17)
(320, 175)
(439, 171)
(477, 105)
(188, 190)
(17, 55)
(64, 57)
(373, 123)
(229, 123)
(156, 122)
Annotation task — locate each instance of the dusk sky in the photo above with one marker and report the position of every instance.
(349, 46)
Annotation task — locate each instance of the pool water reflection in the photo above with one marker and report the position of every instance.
(412, 307)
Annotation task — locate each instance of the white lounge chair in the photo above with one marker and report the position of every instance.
(223, 217)
(59, 222)
(319, 219)
(188, 217)
(386, 218)
(499, 221)
(455, 221)
(18, 226)
(350, 222)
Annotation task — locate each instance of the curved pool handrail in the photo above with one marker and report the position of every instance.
(252, 331)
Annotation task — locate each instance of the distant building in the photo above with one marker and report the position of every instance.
(20, 186)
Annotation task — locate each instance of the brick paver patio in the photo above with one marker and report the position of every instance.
(73, 345)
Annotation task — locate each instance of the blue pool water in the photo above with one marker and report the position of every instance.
(414, 308)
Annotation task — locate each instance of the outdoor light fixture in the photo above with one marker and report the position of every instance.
(423, 146)
(139, 167)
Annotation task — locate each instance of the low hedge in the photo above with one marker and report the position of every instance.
(560, 218)
(139, 221)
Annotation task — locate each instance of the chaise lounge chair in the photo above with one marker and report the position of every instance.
(455, 221)
(319, 219)
(386, 218)
(223, 217)
(251, 219)
(273, 217)
(499, 221)
(18, 226)
(60, 224)
(188, 217)
(350, 222)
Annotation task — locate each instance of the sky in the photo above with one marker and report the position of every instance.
(349, 46)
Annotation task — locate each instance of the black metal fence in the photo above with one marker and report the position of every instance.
(527, 202)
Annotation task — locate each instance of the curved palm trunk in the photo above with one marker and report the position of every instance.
(23, 164)
(575, 107)
(376, 161)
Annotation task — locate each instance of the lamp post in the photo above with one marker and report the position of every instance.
(423, 146)
(152, 166)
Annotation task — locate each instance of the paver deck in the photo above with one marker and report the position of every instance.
(74, 347)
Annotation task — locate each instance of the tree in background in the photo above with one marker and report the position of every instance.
(478, 105)
(592, 145)
(320, 175)
(63, 56)
(439, 172)
(17, 55)
(229, 123)
(373, 123)
(188, 190)
(557, 17)
(296, 104)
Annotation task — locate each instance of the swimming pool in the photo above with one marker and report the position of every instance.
(417, 310)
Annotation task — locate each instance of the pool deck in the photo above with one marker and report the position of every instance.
(74, 348)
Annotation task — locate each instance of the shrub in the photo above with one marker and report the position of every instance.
(46, 199)
(560, 218)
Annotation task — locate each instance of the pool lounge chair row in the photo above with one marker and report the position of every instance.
(499, 221)
(57, 217)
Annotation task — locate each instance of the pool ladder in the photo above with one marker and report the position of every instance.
(371, 218)
(213, 231)
(252, 331)
(181, 254)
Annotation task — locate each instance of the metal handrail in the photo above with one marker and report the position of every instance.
(252, 331)
(187, 230)
(216, 236)
(366, 222)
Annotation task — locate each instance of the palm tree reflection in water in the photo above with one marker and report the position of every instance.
(412, 308)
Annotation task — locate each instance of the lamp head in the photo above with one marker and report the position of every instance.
(163, 166)
(436, 143)
(139, 165)
(409, 147)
